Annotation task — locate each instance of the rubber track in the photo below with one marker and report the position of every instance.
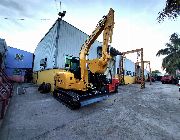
(68, 99)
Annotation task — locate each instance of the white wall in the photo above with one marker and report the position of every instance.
(70, 40)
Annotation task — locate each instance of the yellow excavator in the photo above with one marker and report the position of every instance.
(84, 81)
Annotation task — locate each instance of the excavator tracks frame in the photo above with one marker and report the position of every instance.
(74, 100)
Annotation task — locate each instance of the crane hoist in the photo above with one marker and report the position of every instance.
(84, 82)
(148, 62)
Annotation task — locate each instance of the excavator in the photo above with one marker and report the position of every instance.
(84, 82)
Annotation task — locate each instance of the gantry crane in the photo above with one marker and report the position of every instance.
(121, 73)
(148, 62)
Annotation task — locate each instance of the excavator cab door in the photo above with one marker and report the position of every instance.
(72, 65)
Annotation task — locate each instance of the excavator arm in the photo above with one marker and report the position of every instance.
(97, 65)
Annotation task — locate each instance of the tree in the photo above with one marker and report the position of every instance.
(156, 74)
(171, 10)
(171, 61)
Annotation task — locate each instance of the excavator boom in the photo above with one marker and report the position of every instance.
(98, 65)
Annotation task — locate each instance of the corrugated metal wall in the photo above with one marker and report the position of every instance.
(3, 46)
(129, 66)
(46, 49)
(70, 40)
(118, 58)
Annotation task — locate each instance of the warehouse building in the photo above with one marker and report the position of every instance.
(18, 64)
(63, 40)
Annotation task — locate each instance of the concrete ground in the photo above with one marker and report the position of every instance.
(152, 113)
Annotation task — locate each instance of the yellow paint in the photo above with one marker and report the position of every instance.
(66, 80)
(129, 79)
(46, 76)
(35, 77)
(116, 76)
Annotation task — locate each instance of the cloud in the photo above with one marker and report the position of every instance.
(26, 39)
(22, 8)
(130, 36)
(12, 5)
(11, 8)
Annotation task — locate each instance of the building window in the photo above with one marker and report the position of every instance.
(43, 62)
(128, 73)
(17, 72)
(99, 51)
(133, 73)
(117, 70)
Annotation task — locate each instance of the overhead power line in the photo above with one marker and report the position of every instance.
(58, 8)
(8, 18)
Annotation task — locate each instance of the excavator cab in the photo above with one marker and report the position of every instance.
(99, 80)
(72, 65)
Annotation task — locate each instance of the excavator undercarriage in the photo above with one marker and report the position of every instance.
(75, 100)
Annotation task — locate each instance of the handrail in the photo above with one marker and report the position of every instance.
(7, 90)
(5, 77)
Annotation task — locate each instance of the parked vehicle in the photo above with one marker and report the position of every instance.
(112, 85)
(167, 79)
(152, 79)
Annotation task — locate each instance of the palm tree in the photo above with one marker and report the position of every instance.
(171, 61)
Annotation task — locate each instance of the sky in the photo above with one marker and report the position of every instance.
(135, 23)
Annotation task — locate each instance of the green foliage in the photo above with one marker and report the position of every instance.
(155, 73)
(171, 10)
(171, 61)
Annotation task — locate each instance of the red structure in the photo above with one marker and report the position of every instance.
(6, 86)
